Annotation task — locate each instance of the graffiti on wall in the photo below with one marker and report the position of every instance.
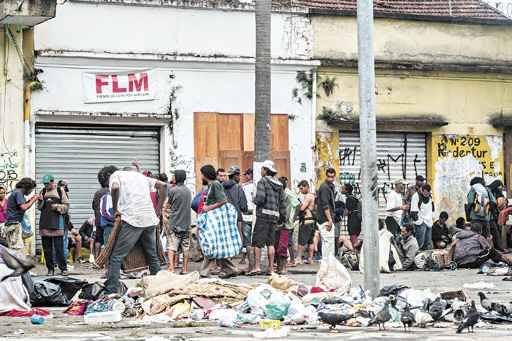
(179, 161)
(9, 170)
(459, 158)
(402, 165)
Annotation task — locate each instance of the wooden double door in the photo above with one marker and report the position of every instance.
(224, 140)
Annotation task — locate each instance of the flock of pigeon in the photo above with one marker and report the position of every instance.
(431, 312)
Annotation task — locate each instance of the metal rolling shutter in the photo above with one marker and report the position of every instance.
(76, 153)
(399, 156)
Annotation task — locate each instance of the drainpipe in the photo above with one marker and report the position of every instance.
(313, 125)
(26, 130)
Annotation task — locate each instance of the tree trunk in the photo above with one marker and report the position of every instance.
(262, 102)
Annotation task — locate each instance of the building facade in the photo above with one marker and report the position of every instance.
(170, 84)
(442, 95)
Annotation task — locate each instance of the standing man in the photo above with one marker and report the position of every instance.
(395, 208)
(422, 212)
(131, 201)
(101, 224)
(221, 175)
(352, 208)
(248, 188)
(269, 209)
(17, 205)
(307, 223)
(177, 228)
(235, 194)
(215, 198)
(325, 212)
(411, 190)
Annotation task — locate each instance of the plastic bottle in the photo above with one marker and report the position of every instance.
(103, 317)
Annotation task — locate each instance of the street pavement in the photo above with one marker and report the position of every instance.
(63, 327)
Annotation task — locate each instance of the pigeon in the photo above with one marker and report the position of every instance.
(20, 266)
(484, 301)
(422, 318)
(502, 309)
(407, 318)
(333, 319)
(436, 309)
(471, 319)
(382, 317)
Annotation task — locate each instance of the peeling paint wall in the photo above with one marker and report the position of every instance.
(442, 43)
(212, 74)
(456, 159)
(170, 31)
(327, 146)
(11, 110)
(465, 101)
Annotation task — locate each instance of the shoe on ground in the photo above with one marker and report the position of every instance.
(50, 273)
(64, 273)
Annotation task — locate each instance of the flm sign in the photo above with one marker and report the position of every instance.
(119, 86)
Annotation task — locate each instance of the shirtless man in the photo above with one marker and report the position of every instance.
(307, 223)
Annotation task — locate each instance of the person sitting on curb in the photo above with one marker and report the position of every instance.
(471, 249)
(409, 247)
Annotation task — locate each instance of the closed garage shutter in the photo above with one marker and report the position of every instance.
(76, 153)
(399, 156)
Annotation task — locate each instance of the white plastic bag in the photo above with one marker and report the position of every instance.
(333, 275)
(268, 301)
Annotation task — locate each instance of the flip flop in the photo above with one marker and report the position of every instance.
(254, 273)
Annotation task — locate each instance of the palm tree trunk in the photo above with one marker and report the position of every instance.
(262, 102)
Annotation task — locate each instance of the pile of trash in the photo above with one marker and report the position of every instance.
(333, 301)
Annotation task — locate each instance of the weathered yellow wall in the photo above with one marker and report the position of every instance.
(11, 110)
(327, 145)
(455, 160)
(336, 38)
(465, 101)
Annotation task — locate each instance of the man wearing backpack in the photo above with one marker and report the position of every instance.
(422, 212)
(480, 202)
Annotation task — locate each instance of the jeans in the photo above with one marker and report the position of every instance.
(49, 245)
(423, 235)
(127, 238)
(107, 230)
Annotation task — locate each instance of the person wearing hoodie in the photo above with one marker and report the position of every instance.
(270, 210)
(177, 224)
(480, 203)
(496, 189)
(236, 194)
(470, 249)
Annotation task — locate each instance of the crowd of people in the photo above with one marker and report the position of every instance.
(267, 222)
